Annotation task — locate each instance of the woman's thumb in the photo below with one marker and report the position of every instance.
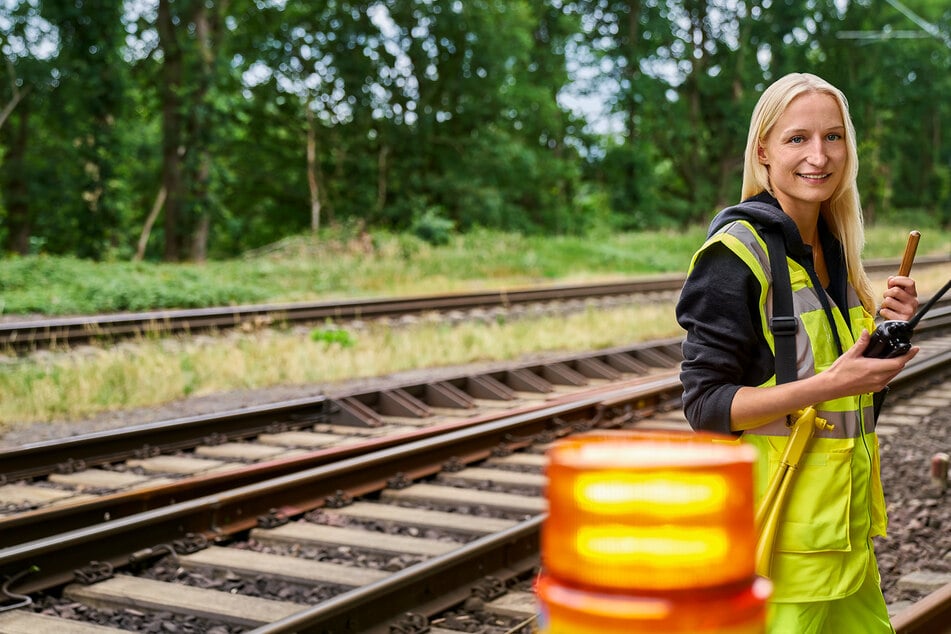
(862, 342)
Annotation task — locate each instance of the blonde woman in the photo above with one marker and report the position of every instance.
(799, 188)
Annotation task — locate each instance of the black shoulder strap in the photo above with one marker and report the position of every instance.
(783, 324)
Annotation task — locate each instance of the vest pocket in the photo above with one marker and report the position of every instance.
(815, 517)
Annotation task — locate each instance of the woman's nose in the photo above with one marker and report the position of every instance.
(817, 153)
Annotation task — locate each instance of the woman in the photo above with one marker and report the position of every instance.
(799, 184)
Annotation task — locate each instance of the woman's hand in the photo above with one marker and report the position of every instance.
(900, 299)
(851, 374)
(859, 374)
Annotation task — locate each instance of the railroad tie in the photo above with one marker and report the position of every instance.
(125, 592)
(25, 622)
(305, 533)
(422, 518)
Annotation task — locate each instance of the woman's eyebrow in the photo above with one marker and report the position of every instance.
(800, 130)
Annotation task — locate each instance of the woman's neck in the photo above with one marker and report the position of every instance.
(805, 215)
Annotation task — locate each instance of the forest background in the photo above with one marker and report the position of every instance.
(190, 130)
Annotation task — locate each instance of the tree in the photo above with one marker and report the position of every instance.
(27, 81)
(89, 97)
(193, 64)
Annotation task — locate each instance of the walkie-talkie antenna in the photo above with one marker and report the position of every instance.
(931, 302)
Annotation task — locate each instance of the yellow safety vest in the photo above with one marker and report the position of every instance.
(837, 503)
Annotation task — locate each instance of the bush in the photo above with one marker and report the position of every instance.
(330, 335)
(433, 227)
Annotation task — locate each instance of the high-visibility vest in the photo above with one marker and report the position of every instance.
(836, 504)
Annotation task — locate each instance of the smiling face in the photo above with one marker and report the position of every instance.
(806, 153)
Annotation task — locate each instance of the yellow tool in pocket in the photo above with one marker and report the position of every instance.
(771, 506)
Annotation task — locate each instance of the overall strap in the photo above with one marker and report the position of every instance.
(783, 323)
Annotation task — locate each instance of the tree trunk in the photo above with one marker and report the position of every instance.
(201, 124)
(16, 197)
(693, 165)
(14, 100)
(312, 169)
(632, 70)
(173, 150)
(147, 227)
(381, 177)
(200, 238)
(199, 249)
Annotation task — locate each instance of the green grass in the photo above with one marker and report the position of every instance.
(70, 386)
(337, 266)
(54, 386)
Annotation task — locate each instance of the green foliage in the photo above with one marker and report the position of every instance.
(61, 286)
(330, 335)
(423, 112)
(907, 219)
(433, 227)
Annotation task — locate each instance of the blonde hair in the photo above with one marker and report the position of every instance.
(843, 211)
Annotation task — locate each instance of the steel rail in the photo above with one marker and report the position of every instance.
(428, 587)
(115, 542)
(938, 317)
(98, 448)
(235, 510)
(350, 612)
(28, 334)
(41, 458)
(930, 615)
(65, 330)
(215, 516)
(38, 459)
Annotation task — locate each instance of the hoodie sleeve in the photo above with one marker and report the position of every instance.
(724, 348)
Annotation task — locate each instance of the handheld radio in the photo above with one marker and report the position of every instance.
(893, 338)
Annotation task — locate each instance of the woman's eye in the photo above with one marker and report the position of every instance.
(833, 137)
(796, 139)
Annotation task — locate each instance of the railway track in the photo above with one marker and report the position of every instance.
(26, 335)
(427, 516)
(146, 467)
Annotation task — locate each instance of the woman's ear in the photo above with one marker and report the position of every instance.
(761, 154)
